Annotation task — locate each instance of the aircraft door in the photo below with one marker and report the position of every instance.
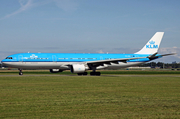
(101, 58)
(54, 58)
(20, 57)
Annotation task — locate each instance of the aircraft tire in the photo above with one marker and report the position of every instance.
(20, 73)
(98, 73)
(85, 73)
(79, 74)
(92, 73)
(95, 73)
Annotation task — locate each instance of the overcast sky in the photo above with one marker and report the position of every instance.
(88, 26)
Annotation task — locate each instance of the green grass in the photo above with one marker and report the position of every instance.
(89, 97)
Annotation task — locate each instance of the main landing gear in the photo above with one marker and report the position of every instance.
(20, 72)
(91, 73)
(95, 73)
(85, 73)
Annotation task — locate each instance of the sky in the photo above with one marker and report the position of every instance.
(88, 26)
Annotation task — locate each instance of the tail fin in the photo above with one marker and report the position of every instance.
(152, 45)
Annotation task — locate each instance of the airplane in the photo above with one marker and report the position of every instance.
(80, 63)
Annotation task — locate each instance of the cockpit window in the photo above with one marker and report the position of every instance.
(9, 58)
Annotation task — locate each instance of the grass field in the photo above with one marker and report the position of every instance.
(90, 96)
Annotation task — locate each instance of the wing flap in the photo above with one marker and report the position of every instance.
(108, 62)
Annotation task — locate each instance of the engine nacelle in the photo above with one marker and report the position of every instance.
(55, 70)
(78, 68)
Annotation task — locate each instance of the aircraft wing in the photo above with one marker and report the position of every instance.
(115, 61)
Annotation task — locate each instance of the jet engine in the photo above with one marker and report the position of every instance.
(77, 68)
(55, 70)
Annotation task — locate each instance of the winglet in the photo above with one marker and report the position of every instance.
(152, 45)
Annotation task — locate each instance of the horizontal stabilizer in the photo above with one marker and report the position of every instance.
(152, 57)
(169, 54)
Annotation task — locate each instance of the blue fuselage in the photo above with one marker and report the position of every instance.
(70, 57)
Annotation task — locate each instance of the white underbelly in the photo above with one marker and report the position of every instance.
(36, 65)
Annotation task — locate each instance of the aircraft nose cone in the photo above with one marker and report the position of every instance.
(4, 63)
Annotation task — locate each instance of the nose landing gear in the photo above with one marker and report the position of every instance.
(20, 72)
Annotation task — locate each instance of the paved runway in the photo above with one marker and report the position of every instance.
(37, 75)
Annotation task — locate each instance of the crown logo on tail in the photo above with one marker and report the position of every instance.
(152, 45)
(152, 42)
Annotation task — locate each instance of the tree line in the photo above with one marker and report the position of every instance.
(161, 65)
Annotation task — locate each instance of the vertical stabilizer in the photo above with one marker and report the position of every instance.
(152, 45)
